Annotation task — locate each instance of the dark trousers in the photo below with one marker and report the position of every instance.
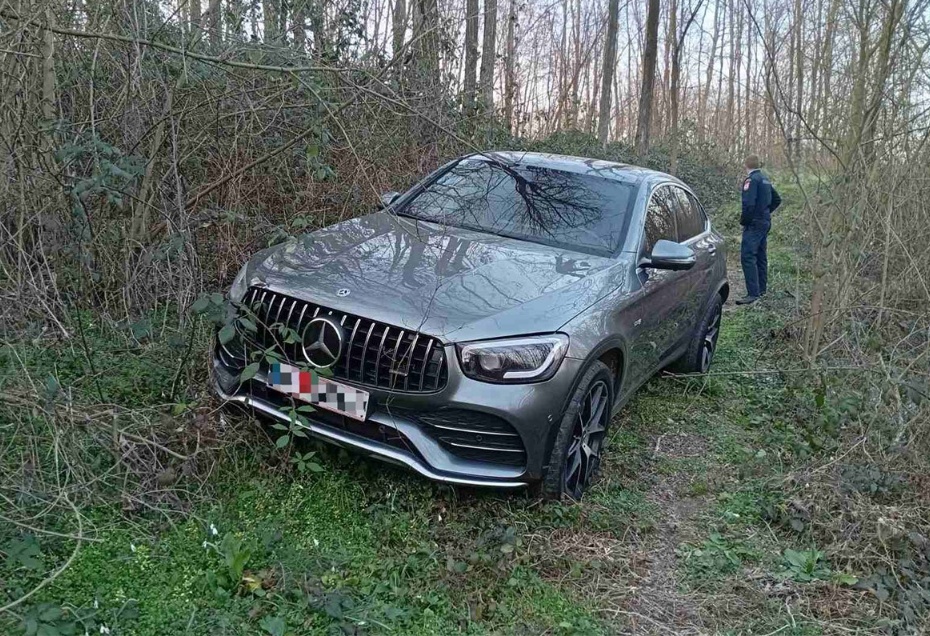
(753, 256)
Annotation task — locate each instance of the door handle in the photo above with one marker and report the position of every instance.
(712, 251)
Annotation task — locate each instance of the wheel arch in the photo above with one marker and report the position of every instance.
(611, 351)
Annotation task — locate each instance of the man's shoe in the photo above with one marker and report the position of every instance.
(747, 300)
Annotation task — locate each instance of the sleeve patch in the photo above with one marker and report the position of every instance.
(746, 184)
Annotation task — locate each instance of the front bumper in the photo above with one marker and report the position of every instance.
(395, 433)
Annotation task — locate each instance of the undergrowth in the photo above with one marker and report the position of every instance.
(778, 499)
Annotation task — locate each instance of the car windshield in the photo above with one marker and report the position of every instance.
(580, 212)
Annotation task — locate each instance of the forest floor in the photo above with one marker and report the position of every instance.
(689, 529)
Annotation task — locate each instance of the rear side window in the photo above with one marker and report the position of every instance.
(690, 216)
(660, 220)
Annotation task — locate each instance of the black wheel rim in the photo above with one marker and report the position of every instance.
(584, 451)
(710, 341)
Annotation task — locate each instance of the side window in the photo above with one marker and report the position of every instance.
(690, 216)
(660, 221)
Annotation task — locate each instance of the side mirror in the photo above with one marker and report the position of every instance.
(669, 255)
(387, 199)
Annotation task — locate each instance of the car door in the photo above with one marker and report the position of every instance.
(657, 308)
(693, 231)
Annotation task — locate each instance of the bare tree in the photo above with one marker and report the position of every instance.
(270, 19)
(510, 64)
(675, 80)
(399, 25)
(488, 56)
(471, 57)
(607, 74)
(650, 54)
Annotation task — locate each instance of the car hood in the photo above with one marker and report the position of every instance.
(453, 283)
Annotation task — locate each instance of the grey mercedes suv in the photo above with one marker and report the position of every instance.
(483, 327)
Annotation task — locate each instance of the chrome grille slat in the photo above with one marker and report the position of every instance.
(374, 353)
(429, 348)
(277, 316)
(392, 370)
(474, 432)
(361, 366)
(486, 448)
(384, 336)
(290, 312)
(352, 338)
(410, 353)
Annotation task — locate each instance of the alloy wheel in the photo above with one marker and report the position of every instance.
(584, 450)
(710, 341)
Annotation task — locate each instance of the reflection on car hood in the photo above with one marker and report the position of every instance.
(449, 282)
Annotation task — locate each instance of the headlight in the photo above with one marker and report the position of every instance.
(239, 286)
(514, 360)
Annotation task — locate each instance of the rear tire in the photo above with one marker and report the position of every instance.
(703, 345)
(576, 453)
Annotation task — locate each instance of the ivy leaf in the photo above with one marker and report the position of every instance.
(249, 372)
(283, 441)
(24, 553)
(200, 305)
(273, 625)
(248, 324)
(226, 334)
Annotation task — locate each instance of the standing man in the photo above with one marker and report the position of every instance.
(759, 201)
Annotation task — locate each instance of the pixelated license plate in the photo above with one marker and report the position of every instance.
(319, 391)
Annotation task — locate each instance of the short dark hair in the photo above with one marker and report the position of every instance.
(752, 162)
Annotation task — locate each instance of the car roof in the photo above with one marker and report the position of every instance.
(582, 165)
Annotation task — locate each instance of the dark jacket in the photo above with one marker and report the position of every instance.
(760, 199)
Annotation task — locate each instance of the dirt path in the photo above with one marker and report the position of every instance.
(658, 605)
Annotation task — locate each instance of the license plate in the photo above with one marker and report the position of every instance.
(319, 391)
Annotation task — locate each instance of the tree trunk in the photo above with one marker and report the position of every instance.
(670, 35)
(399, 25)
(607, 74)
(471, 57)
(826, 95)
(426, 35)
(799, 82)
(737, 62)
(731, 84)
(674, 89)
(510, 65)
(49, 79)
(748, 119)
(488, 55)
(708, 82)
(299, 25)
(214, 32)
(194, 6)
(650, 53)
(270, 19)
(671, 50)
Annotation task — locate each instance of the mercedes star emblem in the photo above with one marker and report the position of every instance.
(323, 338)
(343, 292)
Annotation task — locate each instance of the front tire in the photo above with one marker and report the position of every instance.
(576, 453)
(703, 345)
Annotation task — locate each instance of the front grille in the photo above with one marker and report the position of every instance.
(374, 354)
(474, 435)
